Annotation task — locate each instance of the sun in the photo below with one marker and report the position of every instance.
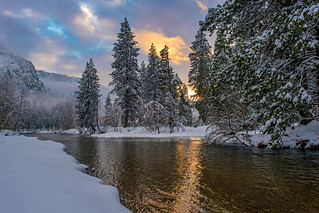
(190, 93)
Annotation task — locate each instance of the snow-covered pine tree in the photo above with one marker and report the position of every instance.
(108, 107)
(151, 84)
(165, 76)
(125, 77)
(117, 115)
(273, 64)
(8, 101)
(88, 97)
(168, 89)
(185, 111)
(199, 76)
(143, 78)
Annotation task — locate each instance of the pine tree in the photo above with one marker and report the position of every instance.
(199, 76)
(266, 55)
(8, 101)
(185, 111)
(143, 78)
(125, 77)
(88, 97)
(152, 76)
(165, 74)
(201, 60)
(168, 88)
(117, 115)
(108, 107)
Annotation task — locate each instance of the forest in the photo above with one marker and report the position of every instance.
(261, 74)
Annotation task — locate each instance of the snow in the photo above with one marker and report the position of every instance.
(293, 137)
(38, 176)
(278, 43)
(141, 132)
(19, 69)
(68, 132)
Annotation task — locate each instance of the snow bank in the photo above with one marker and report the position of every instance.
(38, 176)
(68, 132)
(301, 136)
(141, 132)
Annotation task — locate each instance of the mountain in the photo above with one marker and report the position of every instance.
(57, 77)
(19, 70)
(62, 86)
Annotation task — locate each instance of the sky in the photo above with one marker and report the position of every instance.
(62, 35)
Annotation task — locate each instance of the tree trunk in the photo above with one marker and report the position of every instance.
(315, 105)
(97, 119)
(315, 108)
(126, 118)
(18, 115)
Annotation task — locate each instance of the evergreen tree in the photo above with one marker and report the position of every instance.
(108, 107)
(266, 55)
(125, 77)
(185, 111)
(152, 76)
(165, 74)
(201, 60)
(117, 115)
(143, 77)
(168, 89)
(199, 76)
(88, 97)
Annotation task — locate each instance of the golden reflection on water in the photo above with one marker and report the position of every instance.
(154, 175)
(189, 169)
(193, 139)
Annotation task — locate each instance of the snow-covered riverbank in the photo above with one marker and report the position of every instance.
(141, 132)
(38, 176)
(301, 136)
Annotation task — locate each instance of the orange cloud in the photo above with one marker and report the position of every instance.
(201, 5)
(178, 49)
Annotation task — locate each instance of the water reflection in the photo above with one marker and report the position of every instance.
(187, 188)
(160, 175)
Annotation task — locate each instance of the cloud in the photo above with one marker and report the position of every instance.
(178, 49)
(43, 61)
(201, 5)
(115, 3)
(23, 14)
(7, 13)
(56, 29)
(48, 57)
(90, 26)
(32, 14)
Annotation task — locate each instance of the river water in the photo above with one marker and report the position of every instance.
(186, 175)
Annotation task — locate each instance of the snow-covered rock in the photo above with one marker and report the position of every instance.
(20, 70)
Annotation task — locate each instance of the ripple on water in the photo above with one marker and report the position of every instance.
(174, 175)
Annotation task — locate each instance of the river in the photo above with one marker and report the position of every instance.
(186, 175)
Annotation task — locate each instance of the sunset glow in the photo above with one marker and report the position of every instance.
(190, 93)
(61, 36)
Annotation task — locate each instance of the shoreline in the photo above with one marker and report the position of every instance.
(39, 176)
(300, 137)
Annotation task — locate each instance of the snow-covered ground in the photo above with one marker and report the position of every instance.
(141, 132)
(301, 135)
(68, 132)
(38, 176)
